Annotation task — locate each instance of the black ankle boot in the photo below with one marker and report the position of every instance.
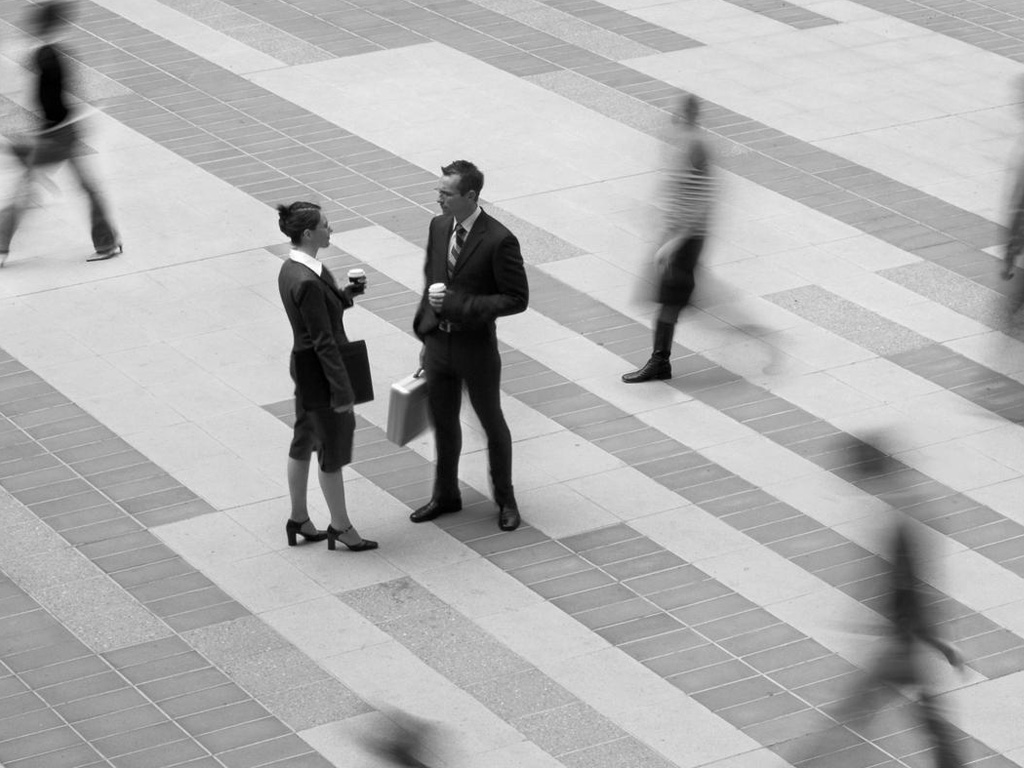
(655, 368)
(658, 367)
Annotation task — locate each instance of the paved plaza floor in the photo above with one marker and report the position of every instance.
(700, 566)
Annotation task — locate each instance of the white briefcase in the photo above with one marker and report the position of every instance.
(407, 409)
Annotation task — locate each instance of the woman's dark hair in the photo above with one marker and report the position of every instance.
(296, 218)
(50, 15)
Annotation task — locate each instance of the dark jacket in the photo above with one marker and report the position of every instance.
(315, 307)
(489, 279)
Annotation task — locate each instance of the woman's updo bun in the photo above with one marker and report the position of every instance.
(296, 218)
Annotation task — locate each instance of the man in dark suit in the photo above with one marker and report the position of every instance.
(478, 261)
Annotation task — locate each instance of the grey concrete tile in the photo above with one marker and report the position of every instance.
(222, 717)
(66, 671)
(243, 735)
(621, 753)
(949, 289)
(166, 667)
(454, 646)
(314, 704)
(204, 700)
(648, 626)
(41, 569)
(391, 600)
(272, 671)
(550, 569)
(520, 694)
(568, 728)
(849, 320)
(120, 722)
(223, 643)
(160, 733)
(538, 245)
(602, 537)
(273, 752)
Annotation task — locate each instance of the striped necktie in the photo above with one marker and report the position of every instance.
(453, 254)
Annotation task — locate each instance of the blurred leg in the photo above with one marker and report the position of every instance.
(946, 754)
(10, 217)
(104, 238)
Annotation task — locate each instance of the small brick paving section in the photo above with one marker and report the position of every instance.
(147, 705)
(997, 27)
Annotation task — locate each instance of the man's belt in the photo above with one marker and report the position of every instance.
(447, 326)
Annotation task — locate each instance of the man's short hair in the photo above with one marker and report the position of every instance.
(470, 177)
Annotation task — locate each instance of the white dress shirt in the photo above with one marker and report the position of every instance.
(306, 260)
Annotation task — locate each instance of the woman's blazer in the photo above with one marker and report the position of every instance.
(315, 306)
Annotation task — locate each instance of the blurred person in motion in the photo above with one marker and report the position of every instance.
(689, 196)
(405, 742)
(902, 662)
(1015, 239)
(58, 140)
(324, 399)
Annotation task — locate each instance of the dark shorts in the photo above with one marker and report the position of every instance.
(326, 432)
(677, 282)
(49, 147)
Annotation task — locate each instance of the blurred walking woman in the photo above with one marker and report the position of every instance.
(689, 198)
(59, 139)
(324, 416)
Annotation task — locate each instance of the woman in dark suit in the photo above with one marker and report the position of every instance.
(324, 417)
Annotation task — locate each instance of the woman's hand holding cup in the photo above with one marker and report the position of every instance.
(357, 281)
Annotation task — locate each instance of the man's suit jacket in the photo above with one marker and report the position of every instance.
(488, 282)
(315, 306)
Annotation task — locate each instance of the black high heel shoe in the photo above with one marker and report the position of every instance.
(294, 529)
(362, 546)
(107, 253)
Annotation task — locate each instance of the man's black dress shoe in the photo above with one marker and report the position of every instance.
(508, 517)
(434, 508)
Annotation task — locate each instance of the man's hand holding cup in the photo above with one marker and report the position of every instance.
(435, 295)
